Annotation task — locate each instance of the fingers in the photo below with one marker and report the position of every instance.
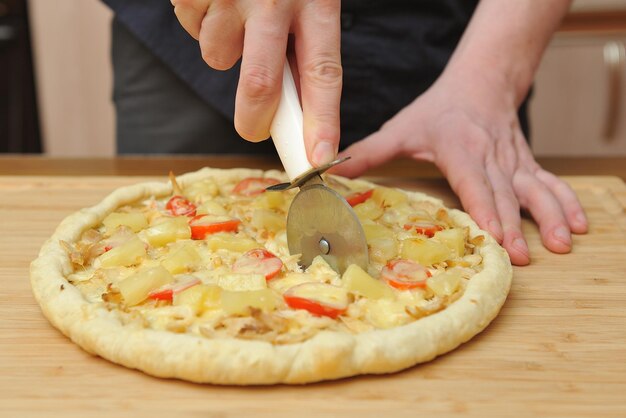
(574, 213)
(190, 14)
(317, 34)
(221, 36)
(545, 209)
(260, 80)
(257, 31)
(372, 151)
(469, 181)
(508, 209)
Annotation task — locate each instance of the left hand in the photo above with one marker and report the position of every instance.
(467, 125)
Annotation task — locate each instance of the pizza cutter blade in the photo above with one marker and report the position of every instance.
(320, 221)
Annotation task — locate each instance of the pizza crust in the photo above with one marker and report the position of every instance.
(327, 355)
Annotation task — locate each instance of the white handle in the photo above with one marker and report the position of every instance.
(287, 128)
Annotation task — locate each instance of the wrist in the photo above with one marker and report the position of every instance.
(478, 82)
(510, 79)
(504, 42)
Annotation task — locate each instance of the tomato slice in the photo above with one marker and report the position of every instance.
(424, 228)
(179, 206)
(259, 261)
(405, 274)
(252, 186)
(320, 299)
(203, 225)
(359, 197)
(314, 307)
(168, 291)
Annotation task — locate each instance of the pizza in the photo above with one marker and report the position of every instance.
(192, 279)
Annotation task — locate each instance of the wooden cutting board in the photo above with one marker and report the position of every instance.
(557, 349)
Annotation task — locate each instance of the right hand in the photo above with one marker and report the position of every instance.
(257, 31)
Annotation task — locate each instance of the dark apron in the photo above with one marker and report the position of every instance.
(392, 51)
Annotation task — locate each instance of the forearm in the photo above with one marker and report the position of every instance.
(505, 40)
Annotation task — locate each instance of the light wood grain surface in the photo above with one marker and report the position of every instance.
(558, 348)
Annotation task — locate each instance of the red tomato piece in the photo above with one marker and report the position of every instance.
(203, 225)
(165, 294)
(168, 291)
(318, 298)
(359, 197)
(405, 274)
(179, 206)
(259, 261)
(424, 228)
(315, 307)
(252, 186)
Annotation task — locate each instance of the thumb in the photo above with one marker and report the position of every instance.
(369, 152)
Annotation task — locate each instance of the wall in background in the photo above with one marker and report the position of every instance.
(71, 41)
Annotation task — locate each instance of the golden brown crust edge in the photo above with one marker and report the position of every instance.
(328, 355)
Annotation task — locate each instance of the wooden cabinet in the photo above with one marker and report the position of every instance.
(74, 76)
(579, 105)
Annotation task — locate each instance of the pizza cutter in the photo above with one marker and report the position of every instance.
(320, 221)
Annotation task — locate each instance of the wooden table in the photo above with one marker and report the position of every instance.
(557, 349)
(157, 165)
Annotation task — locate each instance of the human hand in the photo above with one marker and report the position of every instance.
(257, 31)
(467, 125)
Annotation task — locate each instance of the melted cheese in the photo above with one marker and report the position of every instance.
(210, 261)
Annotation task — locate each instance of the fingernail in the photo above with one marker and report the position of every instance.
(581, 218)
(323, 153)
(520, 245)
(495, 229)
(562, 234)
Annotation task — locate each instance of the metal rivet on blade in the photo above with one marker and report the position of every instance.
(324, 246)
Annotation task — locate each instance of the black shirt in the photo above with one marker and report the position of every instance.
(392, 51)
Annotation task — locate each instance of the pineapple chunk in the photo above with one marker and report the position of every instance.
(382, 250)
(136, 288)
(290, 280)
(397, 214)
(368, 210)
(127, 254)
(200, 190)
(446, 283)
(211, 208)
(357, 281)
(321, 269)
(386, 197)
(270, 200)
(424, 251)
(212, 298)
(135, 221)
(239, 303)
(199, 297)
(239, 282)
(373, 231)
(454, 239)
(230, 242)
(268, 220)
(383, 245)
(168, 230)
(182, 260)
(385, 313)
